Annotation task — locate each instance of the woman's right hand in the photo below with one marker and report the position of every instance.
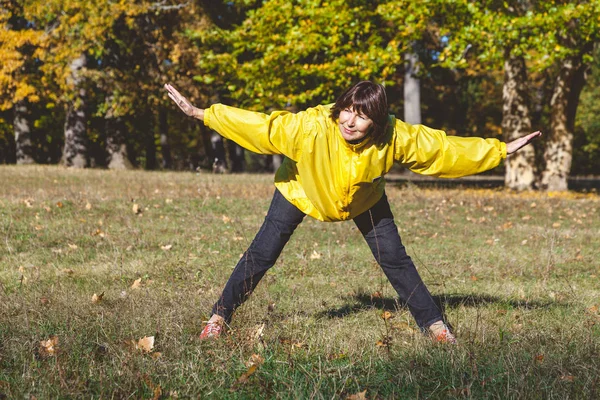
(183, 103)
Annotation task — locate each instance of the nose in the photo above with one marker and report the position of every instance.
(351, 119)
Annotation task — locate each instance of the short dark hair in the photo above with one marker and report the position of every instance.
(370, 99)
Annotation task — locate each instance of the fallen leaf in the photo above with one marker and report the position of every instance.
(358, 396)
(157, 392)
(145, 344)
(68, 271)
(567, 378)
(49, 347)
(73, 246)
(97, 298)
(88, 206)
(136, 284)
(539, 358)
(28, 203)
(252, 364)
(156, 355)
(556, 225)
(226, 219)
(315, 255)
(136, 208)
(258, 334)
(386, 315)
(166, 247)
(59, 204)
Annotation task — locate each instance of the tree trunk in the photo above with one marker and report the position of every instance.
(516, 121)
(412, 90)
(115, 144)
(559, 146)
(217, 148)
(236, 156)
(165, 148)
(23, 145)
(75, 152)
(147, 125)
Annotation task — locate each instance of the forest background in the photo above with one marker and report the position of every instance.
(81, 83)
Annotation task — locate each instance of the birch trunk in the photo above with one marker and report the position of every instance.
(558, 154)
(75, 151)
(116, 146)
(516, 121)
(412, 91)
(23, 144)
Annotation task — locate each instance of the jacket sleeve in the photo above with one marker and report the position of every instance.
(429, 151)
(277, 133)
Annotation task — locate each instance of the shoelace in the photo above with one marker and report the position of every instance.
(211, 330)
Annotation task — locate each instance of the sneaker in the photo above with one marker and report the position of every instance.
(212, 330)
(440, 333)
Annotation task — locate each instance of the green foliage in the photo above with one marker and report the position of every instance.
(304, 52)
(541, 31)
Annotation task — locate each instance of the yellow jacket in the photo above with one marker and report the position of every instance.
(332, 180)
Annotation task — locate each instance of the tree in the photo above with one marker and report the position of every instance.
(552, 37)
(19, 49)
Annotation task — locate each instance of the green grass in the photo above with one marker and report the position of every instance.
(518, 275)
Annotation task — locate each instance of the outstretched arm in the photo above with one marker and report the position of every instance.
(183, 103)
(277, 133)
(516, 144)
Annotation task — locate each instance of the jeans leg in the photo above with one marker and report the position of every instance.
(379, 230)
(277, 228)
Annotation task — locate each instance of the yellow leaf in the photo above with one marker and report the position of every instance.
(49, 347)
(556, 225)
(386, 315)
(315, 255)
(59, 204)
(157, 392)
(226, 219)
(97, 298)
(358, 396)
(136, 284)
(255, 359)
(88, 206)
(145, 344)
(136, 208)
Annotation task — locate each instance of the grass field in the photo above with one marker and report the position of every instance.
(517, 274)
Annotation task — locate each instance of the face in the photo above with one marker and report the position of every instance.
(354, 125)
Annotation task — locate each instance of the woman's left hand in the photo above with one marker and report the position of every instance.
(516, 144)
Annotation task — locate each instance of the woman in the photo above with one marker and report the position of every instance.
(336, 158)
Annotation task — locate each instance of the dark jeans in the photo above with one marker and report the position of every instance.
(379, 230)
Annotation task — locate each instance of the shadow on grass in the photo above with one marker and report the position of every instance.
(361, 301)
